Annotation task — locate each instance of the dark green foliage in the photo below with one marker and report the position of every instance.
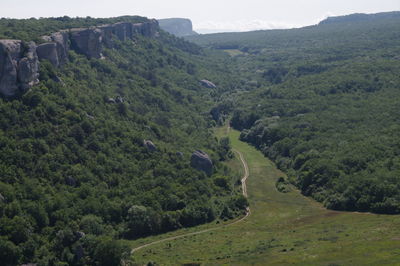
(326, 108)
(110, 252)
(9, 253)
(74, 173)
(282, 185)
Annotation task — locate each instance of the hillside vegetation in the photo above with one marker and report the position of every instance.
(323, 103)
(75, 175)
(284, 228)
(99, 151)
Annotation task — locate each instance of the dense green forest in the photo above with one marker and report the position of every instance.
(76, 178)
(75, 175)
(323, 103)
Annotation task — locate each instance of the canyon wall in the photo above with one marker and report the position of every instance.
(19, 61)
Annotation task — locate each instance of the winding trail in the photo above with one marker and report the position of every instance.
(248, 212)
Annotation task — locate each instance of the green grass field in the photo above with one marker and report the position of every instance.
(233, 52)
(283, 229)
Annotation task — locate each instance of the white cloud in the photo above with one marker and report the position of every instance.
(241, 25)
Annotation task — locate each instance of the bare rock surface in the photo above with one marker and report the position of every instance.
(202, 162)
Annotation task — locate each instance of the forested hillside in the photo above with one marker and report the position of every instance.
(100, 150)
(97, 141)
(323, 103)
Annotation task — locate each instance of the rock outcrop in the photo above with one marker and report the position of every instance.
(87, 42)
(55, 49)
(119, 99)
(147, 29)
(149, 145)
(10, 51)
(107, 33)
(48, 51)
(28, 68)
(202, 162)
(19, 67)
(123, 30)
(19, 62)
(178, 26)
(208, 84)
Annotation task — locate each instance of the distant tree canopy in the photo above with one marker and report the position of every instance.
(326, 106)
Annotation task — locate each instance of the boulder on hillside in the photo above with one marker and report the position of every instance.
(202, 162)
(208, 84)
(119, 99)
(111, 100)
(149, 145)
(79, 234)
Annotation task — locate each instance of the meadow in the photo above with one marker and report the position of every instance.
(283, 228)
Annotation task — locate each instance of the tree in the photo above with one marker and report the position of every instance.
(110, 252)
(9, 253)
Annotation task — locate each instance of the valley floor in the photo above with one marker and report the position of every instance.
(283, 229)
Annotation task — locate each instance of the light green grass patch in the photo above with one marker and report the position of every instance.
(283, 229)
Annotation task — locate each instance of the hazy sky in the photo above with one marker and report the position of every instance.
(214, 15)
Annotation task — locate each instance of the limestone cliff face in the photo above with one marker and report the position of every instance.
(19, 62)
(55, 49)
(147, 29)
(28, 68)
(178, 26)
(87, 42)
(19, 67)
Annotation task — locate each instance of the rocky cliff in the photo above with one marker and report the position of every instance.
(19, 61)
(19, 67)
(177, 26)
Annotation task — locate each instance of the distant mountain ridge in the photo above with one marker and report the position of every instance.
(357, 17)
(178, 26)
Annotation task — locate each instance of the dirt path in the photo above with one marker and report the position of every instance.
(244, 190)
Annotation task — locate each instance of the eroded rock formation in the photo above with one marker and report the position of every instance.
(178, 26)
(19, 67)
(202, 162)
(207, 84)
(28, 68)
(149, 145)
(19, 62)
(87, 42)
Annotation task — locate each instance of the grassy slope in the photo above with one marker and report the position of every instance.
(284, 229)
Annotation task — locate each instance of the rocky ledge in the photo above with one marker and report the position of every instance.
(19, 61)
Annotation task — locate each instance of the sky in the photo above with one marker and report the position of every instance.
(206, 15)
